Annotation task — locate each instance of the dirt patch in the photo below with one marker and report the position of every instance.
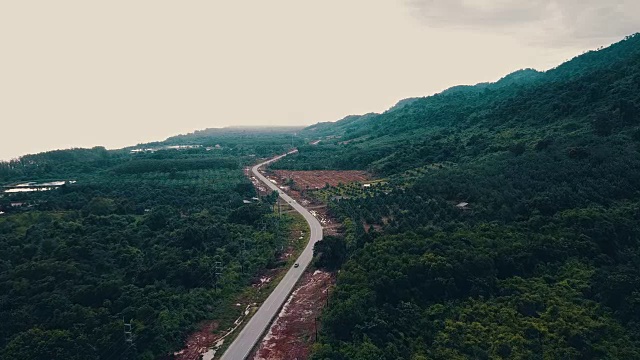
(306, 198)
(199, 341)
(310, 180)
(293, 333)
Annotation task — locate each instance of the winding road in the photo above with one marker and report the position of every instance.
(257, 325)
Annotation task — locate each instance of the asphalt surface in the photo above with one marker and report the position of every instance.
(257, 325)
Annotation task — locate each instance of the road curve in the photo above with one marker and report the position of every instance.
(257, 325)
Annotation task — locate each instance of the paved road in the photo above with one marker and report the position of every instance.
(257, 325)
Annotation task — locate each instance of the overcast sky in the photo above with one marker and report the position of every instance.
(117, 73)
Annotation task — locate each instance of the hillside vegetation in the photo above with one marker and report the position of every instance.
(543, 262)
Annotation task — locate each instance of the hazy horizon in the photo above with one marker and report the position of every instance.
(77, 74)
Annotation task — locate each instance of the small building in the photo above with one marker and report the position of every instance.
(366, 185)
(2, 212)
(463, 206)
(17, 204)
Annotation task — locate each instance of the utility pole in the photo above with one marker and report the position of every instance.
(278, 234)
(279, 209)
(264, 224)
(128, 331)
(244, 253)
(217, 271)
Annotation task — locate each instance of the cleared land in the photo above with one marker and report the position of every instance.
(318, 179)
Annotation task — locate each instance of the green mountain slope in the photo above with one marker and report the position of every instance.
(541, 263)
(594, 90)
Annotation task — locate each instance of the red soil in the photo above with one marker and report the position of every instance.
(199, 342)
(293, 332)
(317, 179)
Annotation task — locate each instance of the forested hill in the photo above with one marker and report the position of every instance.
(593, 92)
(543, 260)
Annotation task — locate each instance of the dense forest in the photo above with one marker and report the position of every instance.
(161, 239)
(507, 225)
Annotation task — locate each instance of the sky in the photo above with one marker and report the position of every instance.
(77, 73)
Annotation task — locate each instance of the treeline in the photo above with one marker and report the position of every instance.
(58, 164)
(174, 165)
(243, 141)
(235, 147)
